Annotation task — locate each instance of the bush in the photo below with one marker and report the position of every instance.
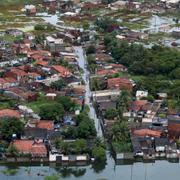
(99, 153)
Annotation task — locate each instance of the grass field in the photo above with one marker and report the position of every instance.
(18, 2)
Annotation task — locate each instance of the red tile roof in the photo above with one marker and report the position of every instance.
(147, 132)
(64, 72)
(18, 72)
(31, 147)
(119, 83)
(10, 80)
(42, 63)
(45, 124)
(9, 113)
(138, 104)
(2, 81)
(107, 72)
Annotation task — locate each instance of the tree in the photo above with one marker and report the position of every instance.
(120, 132)
(123, 102)
(85, 25)
(10, 126)
(53, 111)
(86, 129)
(67, 103)
(111, 113)
(91, 49)
(99, 153)
(58, 85)
(12, 150)
(80, 145)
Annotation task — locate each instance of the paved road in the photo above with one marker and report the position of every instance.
(82, 63)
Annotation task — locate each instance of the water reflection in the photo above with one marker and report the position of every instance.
(98, 166)
(68, 171)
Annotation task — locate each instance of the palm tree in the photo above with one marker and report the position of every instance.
(123, 102)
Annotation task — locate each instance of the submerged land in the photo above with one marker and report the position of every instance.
(81, 81)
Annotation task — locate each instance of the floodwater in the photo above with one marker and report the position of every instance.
(82, 63)
(160, 170)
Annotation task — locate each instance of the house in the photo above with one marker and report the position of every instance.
(54, 45)
(49, 3)
(9, 113)
(41, 124)
(30, 9)
(147, 132)
(7, 83)
(119, 83)
(137, 105)
(109, 95)
(174, 126)
(102, 58)
(118, 5)
(16, 73)
(106, 72)
(41, 63)
(21, 93)
(161, 144)
(36, 148)
(62, 71)
(141, 94)
(14, 32)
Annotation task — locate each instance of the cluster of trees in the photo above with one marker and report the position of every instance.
(91, 63)
(85, 128)
(55, 110)
(119, 134)
(119, 137)
(58, 85)
(78, 146)
(42, 27)
(10, 126)
(106, 24)
(141, 61)
(81, 146)
(98, 83)
(91, 49)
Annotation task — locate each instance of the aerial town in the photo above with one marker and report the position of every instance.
(80, 80)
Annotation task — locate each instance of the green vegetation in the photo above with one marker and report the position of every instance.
(18, 2)
(99, 153)
(58, 85)
(10, 172)
(111, 113)
(78, 146)
(44, 27)
(52, 177)
(10, 126)
(155, 70)
(12, 151)
(7, 102)
(119, 137)
(53, 111)
(97, 83)
(84, 129)
(91, 63)
(91, 49)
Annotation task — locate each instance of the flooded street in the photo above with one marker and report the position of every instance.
(82, 63)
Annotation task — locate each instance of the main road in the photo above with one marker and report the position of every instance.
(81, 58)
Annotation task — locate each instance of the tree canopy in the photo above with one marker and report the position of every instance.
(10, 126)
